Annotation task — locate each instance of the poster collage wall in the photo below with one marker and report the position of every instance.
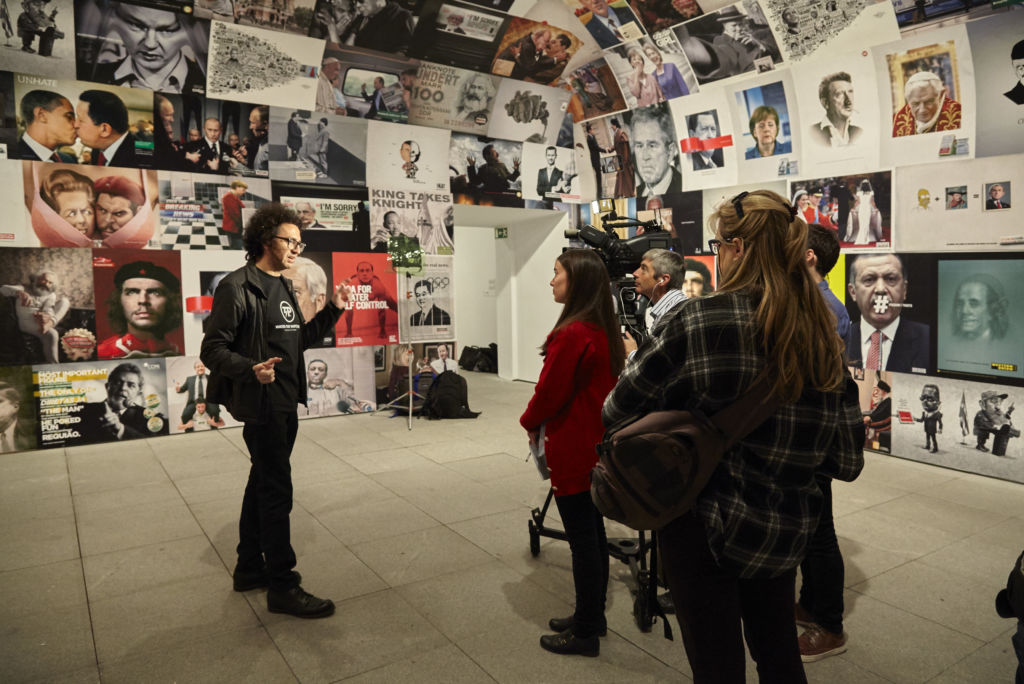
(372, 119)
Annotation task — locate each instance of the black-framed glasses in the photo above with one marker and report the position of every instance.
(737, 204)
(714, 244)
(292, 243)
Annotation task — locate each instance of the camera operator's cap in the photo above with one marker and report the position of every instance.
(992, 394)
(146, 269)
(729, 14)
(1010, 601)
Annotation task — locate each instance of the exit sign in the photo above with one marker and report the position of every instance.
(501, 232)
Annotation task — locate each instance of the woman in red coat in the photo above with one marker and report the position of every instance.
(583, 355)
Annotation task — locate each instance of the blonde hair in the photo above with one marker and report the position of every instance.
(799, 330)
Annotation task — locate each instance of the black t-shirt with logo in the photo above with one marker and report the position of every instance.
(284, 339)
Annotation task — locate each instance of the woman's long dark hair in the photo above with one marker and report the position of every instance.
(589, 300)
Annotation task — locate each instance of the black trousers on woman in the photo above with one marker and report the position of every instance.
(711, 603)
(584, 527)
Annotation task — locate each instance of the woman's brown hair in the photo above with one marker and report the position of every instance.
(799, 330)
(589, 299)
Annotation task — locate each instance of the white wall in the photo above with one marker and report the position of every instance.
(476, 315)
(521, 307)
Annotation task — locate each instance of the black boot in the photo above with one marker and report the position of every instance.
(567, 643)
(297, 602)
(562, 624)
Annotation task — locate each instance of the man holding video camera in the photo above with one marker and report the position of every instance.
(659, 278)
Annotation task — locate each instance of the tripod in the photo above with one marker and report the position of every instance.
(408, 396)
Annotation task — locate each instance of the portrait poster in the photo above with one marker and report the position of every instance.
(705, 128)
(16, 231)
(408, 157)
(339, 382)
(534, 52)
(251, 64)
(550, 173)
(408, 225)
(73, 143)
(895, 295)
(292, 17)
(311, 278)
(981, 307)
(374, 86)
(701, 277)
(875, 394)
(51, 47)
(680, 215)
(457, 34)
(485, 171)
(138, 303)
(314, 147)
(595, 92)
(113, 45)
(195, 210)
(713, 197)
(372, 316)
(449, 97)
(426, 301)
(615, 158)
(344, 208)
(930, 219)
(658, 15)
(188, 381)
(204, 135)
(766, 125)
(90, 206)
(101, 401)
(940, 64)
(636, 64)
(615, 24)
(16, 389)
(201, 273)
(838, 105)
(997, 50)
(805, 27)
(528, 112)
(47, 307)
(728, 42)
(954, 423)
(857, 206)
(655, 150)
(337, 23)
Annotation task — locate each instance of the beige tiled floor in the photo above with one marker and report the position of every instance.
(115, 564)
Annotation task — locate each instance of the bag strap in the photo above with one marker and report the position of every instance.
(757, 404)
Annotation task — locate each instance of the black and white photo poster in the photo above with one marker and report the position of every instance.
(426, 301)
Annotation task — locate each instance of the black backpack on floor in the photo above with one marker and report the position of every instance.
(448, 397)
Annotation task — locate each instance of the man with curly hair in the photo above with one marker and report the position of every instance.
(255, 337)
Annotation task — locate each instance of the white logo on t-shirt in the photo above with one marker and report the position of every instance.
(288, 312)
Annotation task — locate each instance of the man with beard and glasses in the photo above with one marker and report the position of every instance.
(122, 414)
(144, 306)
(39, 309)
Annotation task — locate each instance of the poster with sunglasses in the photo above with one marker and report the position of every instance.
(372, 316)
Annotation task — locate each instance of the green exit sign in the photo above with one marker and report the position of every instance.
(501, 232)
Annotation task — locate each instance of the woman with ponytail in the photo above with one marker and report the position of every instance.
(583, 355)
(730, 562)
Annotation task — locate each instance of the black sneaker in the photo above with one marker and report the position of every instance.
(247, 580)
(296, 601)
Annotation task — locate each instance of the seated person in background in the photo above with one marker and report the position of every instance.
(442, 363)
(39, 309)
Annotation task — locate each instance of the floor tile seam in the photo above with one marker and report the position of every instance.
(217, 629)
(463, 567)
(923, 617)
(81, 570)
(953, 665)
(933, 497)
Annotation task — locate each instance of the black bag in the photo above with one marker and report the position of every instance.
(480, 359)
(448, 397)
(651, 469)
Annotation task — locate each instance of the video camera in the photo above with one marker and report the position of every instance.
(622, 257)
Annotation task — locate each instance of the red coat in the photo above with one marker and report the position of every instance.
(232, 207)
(573, 384)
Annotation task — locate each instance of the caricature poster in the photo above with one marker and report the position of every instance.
(372, 316)
(875, 390)
(953, 423)
(997, 49)
(408, 157)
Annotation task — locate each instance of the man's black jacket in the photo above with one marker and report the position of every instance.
(236, 340)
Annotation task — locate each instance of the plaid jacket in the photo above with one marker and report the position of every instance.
(762, 502)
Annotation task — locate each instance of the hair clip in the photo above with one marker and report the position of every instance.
(792, 212)
(737, 203)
